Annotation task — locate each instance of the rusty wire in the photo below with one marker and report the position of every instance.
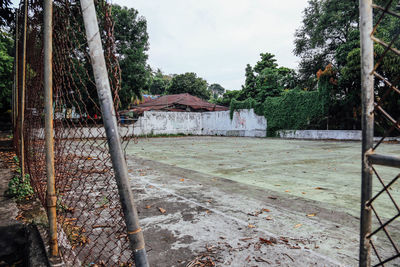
(91, 228)
(389, 120)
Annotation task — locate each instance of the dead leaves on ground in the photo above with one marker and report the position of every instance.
(162, 210)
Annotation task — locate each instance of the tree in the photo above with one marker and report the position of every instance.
(216, 90)
(227, 98)
(267, 79)
(249, 84)
(6, 70)
(189, 83)
(267, 62)
(326, 25)
(6, 55)
(132, 43)
(159, 83)
(6, 13)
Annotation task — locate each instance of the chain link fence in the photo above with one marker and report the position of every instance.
(90, 224)
(380, 230)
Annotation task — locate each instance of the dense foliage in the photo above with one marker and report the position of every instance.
(6, 70)
(132, 43)
(189, 83)
(293, 109)
(159, 83)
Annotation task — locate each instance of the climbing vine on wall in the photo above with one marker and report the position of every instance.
(294, 109)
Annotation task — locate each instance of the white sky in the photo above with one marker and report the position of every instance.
(217, 38)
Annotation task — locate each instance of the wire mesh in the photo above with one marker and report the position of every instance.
(385, 226)
(91, 228)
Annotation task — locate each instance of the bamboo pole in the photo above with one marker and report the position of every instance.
(49, 133)
(22, 95)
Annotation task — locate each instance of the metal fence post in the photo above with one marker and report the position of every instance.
(367, 87)
(49, 134)
(22, 95)
(134, 231)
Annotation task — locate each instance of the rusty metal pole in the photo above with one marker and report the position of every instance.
(134, 231)
(49, 133)
(367, 87)
(22, 95)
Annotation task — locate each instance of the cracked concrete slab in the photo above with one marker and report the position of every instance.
(235, 216)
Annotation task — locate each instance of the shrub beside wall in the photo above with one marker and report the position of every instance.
(293, 110)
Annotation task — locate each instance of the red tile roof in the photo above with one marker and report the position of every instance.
(178, 103)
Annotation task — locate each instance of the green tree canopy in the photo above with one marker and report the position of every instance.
(267, 79)
(6, 70)
(189, 83)
(326, 25)
(216, 90)
(159, 83)
(132, 44)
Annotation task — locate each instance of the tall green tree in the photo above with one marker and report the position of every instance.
(132, 44)
(6, 70)
(267, 79)
(189, 83)
(159, 83)
(267, 61)
(326, 25)
(6, 12)
(216, 90)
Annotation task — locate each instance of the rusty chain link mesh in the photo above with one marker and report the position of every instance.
(387, 119)
(91, 228)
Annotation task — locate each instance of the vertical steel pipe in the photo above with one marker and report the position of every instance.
(49, 133)
(134, 231)
(367, 87)
(22, 95)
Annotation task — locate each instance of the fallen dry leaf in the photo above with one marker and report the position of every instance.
(311, 215)
(271, 197)
(268, 218)
(162, 210)
(251, 226)
(303, 193)
(270, 241)
(148, 207)
(266, 210)
(297, 225)
(182, 180)
(320, 188)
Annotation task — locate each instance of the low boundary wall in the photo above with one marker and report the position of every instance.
(351, 135)
(244, 123)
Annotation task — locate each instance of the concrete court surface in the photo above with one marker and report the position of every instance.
(252, 201)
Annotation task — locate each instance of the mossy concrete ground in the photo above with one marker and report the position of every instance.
(218, 191)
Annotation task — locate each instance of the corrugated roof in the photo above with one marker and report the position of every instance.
(178, 102)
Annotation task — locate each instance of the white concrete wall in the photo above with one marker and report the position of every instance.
(321, 134)
(328, 134)
(244, 123)
(155, 122)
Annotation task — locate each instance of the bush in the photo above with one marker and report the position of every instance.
(20, 188)
(294, 110)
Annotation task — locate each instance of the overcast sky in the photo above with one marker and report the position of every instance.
(217, 38)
